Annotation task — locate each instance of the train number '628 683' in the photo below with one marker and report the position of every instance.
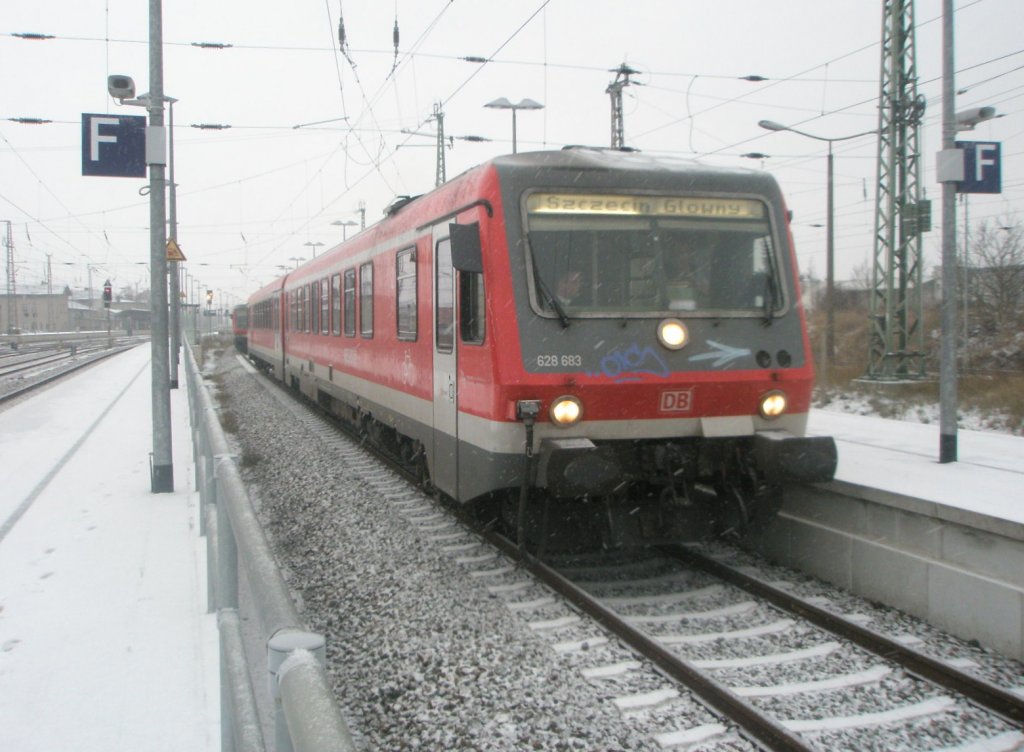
(563, 361)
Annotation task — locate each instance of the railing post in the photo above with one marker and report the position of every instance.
(279, 647)
(227, 547)
(239, 720)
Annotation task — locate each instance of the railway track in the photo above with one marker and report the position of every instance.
(20, 377)
(653, 631)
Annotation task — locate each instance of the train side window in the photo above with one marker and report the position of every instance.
(405, 294)
(314, 307)
(350, 302)
(306, 296)
(445, 297)
(336, 305)
(325, 306)
(366, 300)
(471, 307)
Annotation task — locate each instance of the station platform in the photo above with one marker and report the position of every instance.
(105, 643)
(901, 458)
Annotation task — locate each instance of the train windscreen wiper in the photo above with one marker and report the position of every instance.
(563, 317)
(771, 292)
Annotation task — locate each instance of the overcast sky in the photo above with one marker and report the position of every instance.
(250, 198)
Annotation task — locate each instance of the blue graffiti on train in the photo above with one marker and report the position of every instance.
(631, 363)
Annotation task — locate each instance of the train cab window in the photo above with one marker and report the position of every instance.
(366, 300)
(619, 255)
(336, 305)
(405, 294)
(325, 306)
(350, 303)
(471, 307)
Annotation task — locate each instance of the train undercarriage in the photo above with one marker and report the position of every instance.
(646, 491)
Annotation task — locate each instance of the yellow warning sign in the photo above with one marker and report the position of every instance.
(174, 251)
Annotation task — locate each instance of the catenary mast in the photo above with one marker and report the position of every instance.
(896, 338)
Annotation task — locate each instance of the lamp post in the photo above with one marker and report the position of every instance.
(830, 320)
(313, 245)
(344, 224)
(504, 104)
(297, 260)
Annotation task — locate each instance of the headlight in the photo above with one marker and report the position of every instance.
(773, 404)
(566, 411)
(672, 334)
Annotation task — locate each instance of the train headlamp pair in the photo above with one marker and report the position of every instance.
(567, 410)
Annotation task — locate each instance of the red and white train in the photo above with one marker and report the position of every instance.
(576, 324)
(240, 327)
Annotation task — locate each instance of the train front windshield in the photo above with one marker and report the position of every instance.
(620, 255)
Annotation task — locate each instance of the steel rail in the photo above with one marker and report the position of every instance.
(981, 692)
(22, 391)
(760, 727)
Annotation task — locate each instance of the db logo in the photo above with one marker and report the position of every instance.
(680, 401)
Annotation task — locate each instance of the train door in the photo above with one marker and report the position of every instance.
(445, 461)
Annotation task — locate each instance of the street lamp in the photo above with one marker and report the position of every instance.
(313, 245)
(830, 318)
(297, 260)
(344, 224)
(504, 104)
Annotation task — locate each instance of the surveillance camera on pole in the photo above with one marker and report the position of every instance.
(967, 119)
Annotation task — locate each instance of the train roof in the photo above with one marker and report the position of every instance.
(625, 169)
(642, 166)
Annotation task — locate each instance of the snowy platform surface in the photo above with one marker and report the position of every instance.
(902, 458)
(105, 643)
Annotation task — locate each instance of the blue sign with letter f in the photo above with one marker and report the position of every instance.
(114, 145)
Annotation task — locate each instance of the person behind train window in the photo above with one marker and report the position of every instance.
(681, 279)
(570, 285)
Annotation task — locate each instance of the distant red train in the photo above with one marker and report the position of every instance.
(578, 324)
(240, 327)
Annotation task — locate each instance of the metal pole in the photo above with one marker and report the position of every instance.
(830, 306)
(173, 272)
(162, 471)
(964, 280)
(947, 363)
(513, 130)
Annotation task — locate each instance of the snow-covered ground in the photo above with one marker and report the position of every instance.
(104, 640)
(914, 411)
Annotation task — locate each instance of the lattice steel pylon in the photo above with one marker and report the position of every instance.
(896, 344)
(440, 175)
(614, 90)
(12, 287)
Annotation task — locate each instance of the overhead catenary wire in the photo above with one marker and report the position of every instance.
(385, 136)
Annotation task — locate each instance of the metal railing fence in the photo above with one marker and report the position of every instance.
(306, 715)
